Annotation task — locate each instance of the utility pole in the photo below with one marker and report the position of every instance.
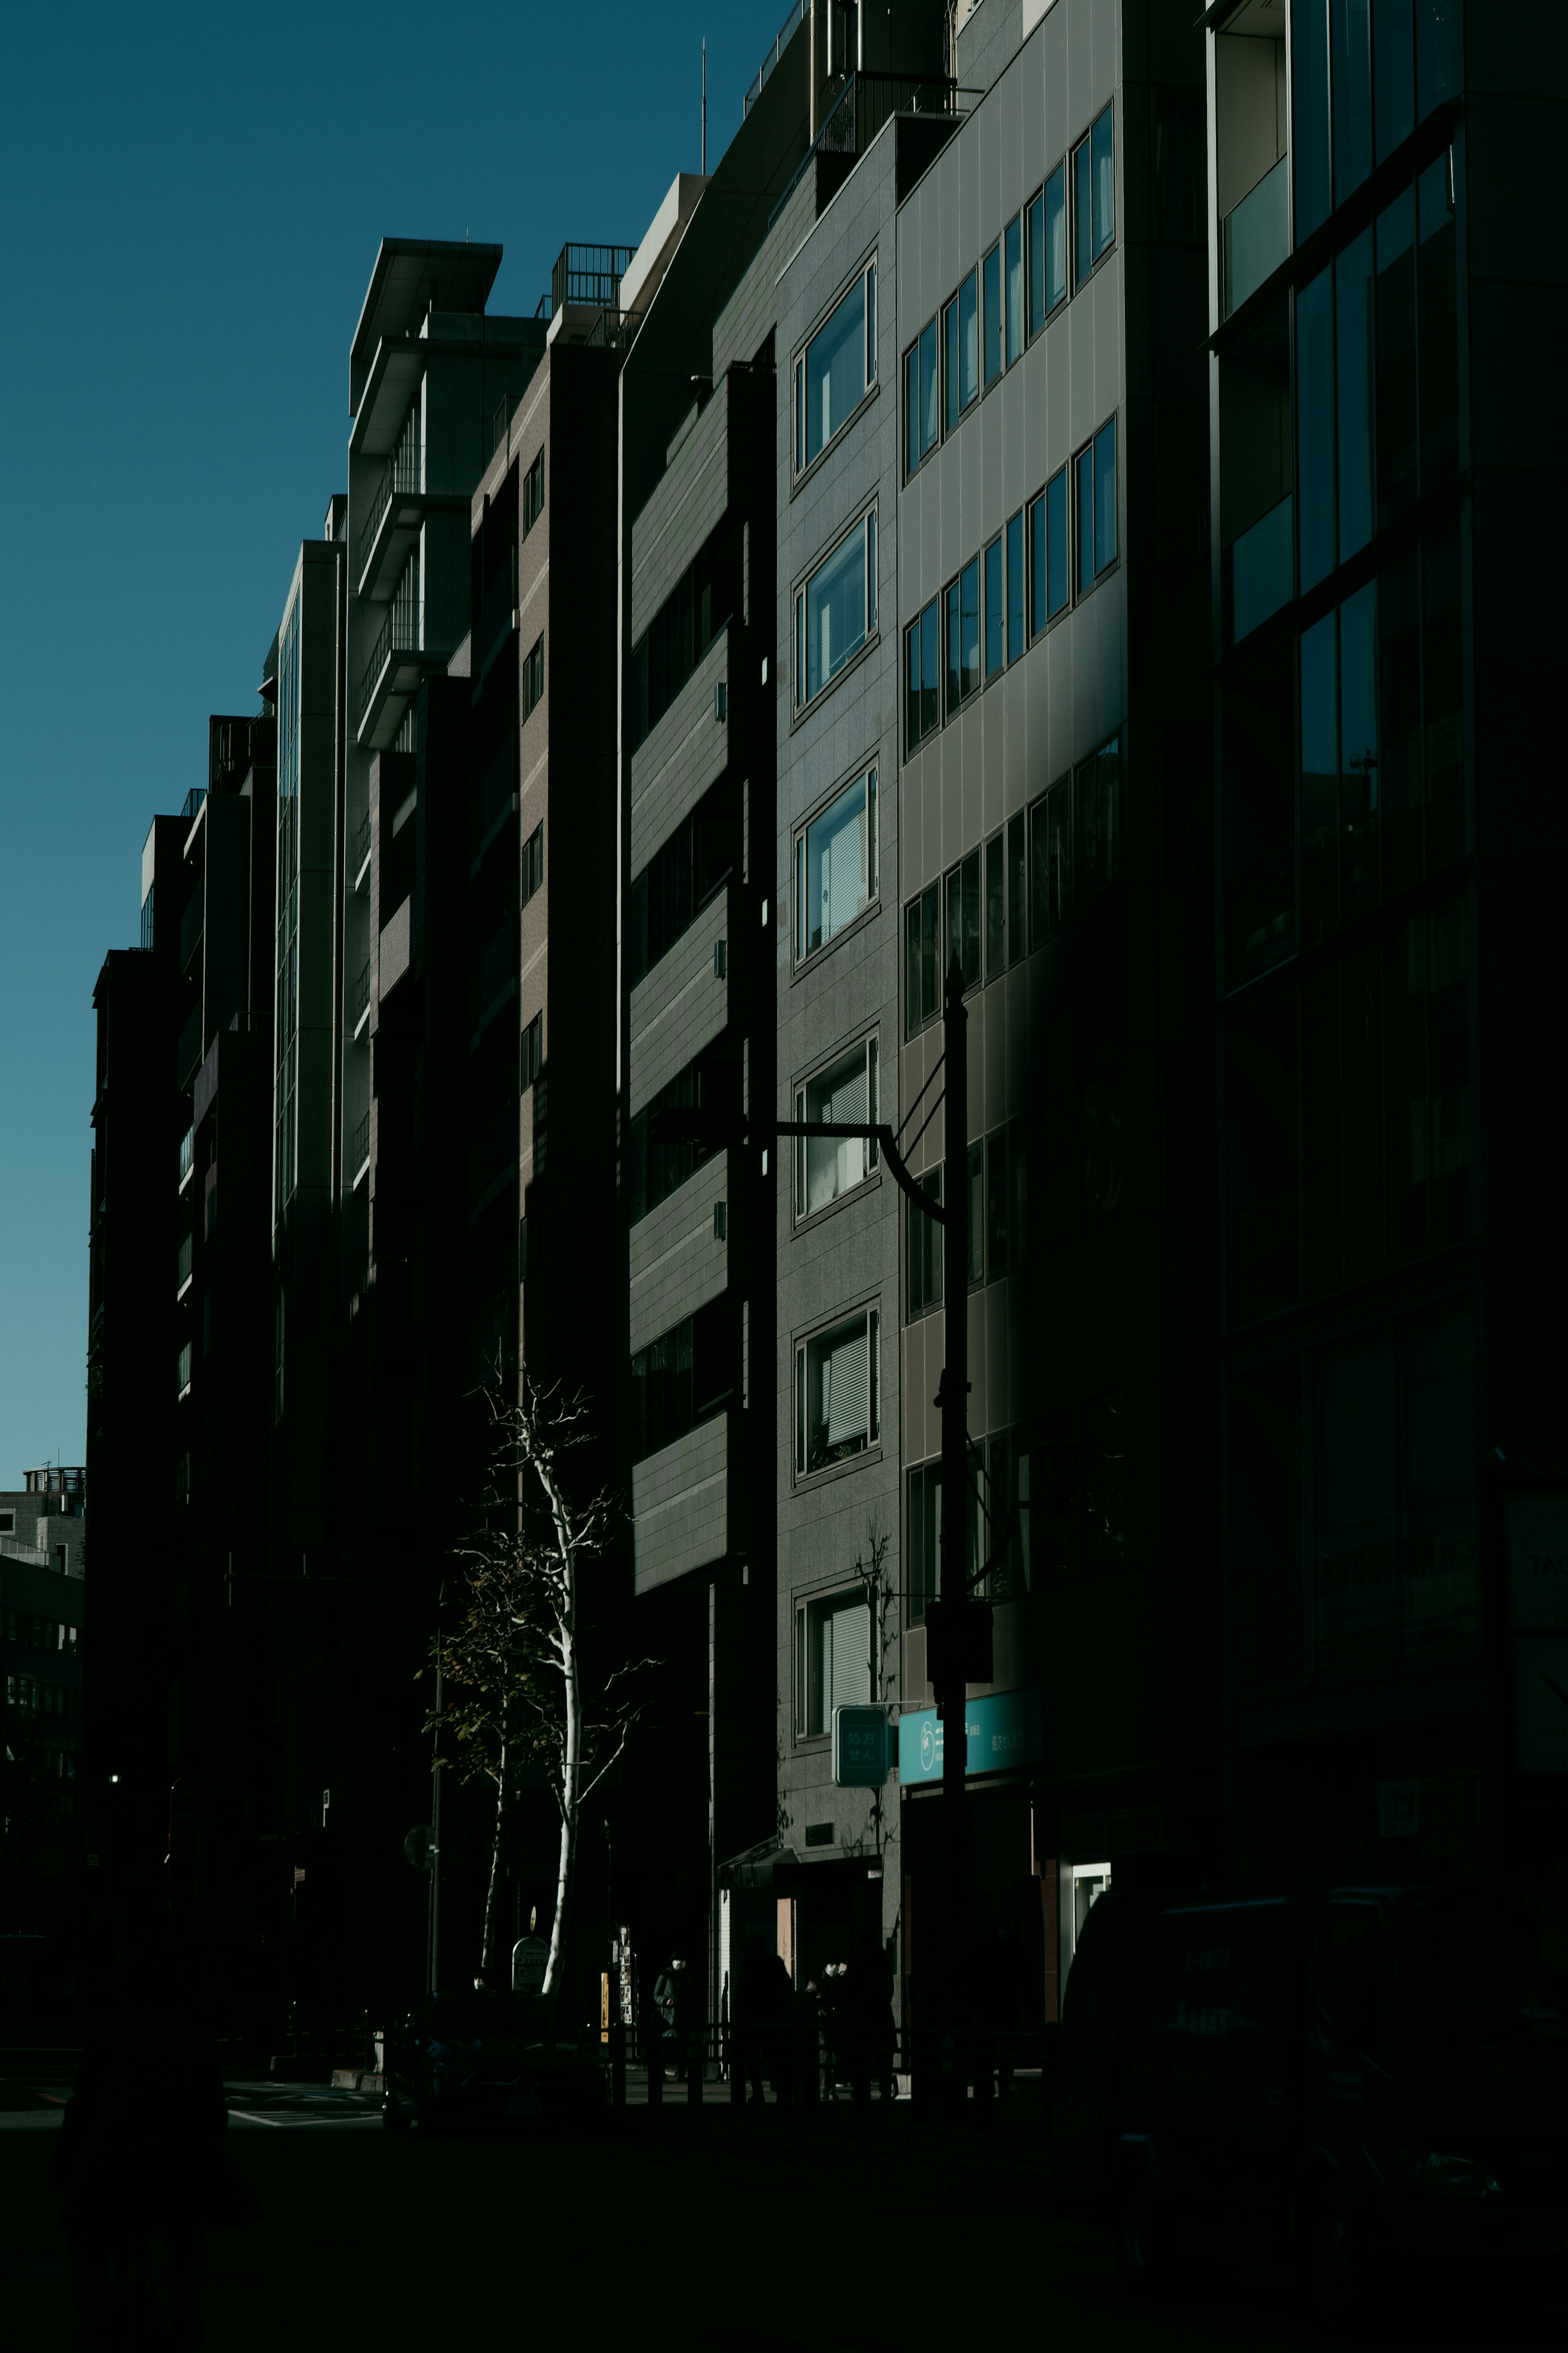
(948, 1657)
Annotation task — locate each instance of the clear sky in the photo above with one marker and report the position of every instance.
(193, 198)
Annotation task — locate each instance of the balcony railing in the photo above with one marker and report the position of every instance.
(405, 472)
(362, 843)
(182, 1264)
(362, 995)
(1257, 236)
(359, 1149)
(193, 800)
(589, 274)
(187, 1153)
(400, 633)
(863, 105)
(781, 44)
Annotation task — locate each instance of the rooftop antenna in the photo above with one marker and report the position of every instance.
(705, 106)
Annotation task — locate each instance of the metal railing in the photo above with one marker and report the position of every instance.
(187, 1152)
(362, 843)
(361, 994)
(193, 800)
(863, 105)
(405, 472)
(359, 1149)
(589, 274)
(400, 633)
(182, 1264)
(781, 43)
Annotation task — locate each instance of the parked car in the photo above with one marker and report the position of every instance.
(491, 2059)
(1378, 2073)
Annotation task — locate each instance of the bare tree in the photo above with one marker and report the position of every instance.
(882, 1607)
(513, 1664)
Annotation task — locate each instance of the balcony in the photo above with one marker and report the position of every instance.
(358, 1152)
(359, 1002)
(865, 104)
(680, 1504)
(183, 1267)
(588, 277)
(399, 660)
(362, 854)
(392, 527)
(1261, 565)
(1257, 236)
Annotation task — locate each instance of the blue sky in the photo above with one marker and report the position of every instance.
(193, 200)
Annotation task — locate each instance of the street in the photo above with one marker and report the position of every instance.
(771, 2230)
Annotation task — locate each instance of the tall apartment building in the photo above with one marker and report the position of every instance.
(1023, 694)
(1382, 627)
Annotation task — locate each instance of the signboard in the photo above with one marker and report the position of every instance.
(862, 1747)
(528, 1956)
(1538, 1563)
(1005, 1731)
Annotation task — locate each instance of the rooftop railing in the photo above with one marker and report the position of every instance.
(781, 44)
(589, 274)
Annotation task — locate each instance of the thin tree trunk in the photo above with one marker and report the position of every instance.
(492, 1896)
(572, 1754)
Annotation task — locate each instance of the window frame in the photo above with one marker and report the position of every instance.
(533, 863)
(804, 702)
(1087, 454)
(868, 777)
(864, 280)
(923, 1298)
(955, 588)
(801, 1214)
(1084, 147)
(869, 1312)
(949, 356)
(910, 370)
(989, 374)
(533, 678)
(531, 513)
(1035, 627)
(531, 1052)
(837, 1601)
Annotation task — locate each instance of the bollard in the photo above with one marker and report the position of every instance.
(618, 2063)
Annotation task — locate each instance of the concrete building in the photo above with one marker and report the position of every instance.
(1382, 624)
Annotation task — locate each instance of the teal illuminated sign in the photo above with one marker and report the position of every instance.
(1007, 1730)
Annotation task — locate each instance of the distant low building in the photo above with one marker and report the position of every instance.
(42, 1604)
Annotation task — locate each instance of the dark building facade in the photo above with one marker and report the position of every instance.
(1389, 1039)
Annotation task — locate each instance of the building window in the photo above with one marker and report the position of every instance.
(922, 671)
(837, 1394)
(533, 862)
(923, 1283)
(683, 875)
(182, 1370)
(685, 1377)
(836, 867)
(961, 349)
(1013, 289)
(996, 906)
(533, 1059)
(991, 276)
(828, 1167)
(835, 370)
(963, 636)
(963, 894)
(835, 610)
(701, 603)
(534, 494)
(1095, 472)
(1098, 785)
(534, 674)
(1094, 196)
(922, 418)
(833, 1668)
(1048, 218)
(1048, 553)
(1051, 864)
(1016, 587)
(996, 605)
(922, 964)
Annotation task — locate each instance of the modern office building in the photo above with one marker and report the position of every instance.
(1382, 623)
